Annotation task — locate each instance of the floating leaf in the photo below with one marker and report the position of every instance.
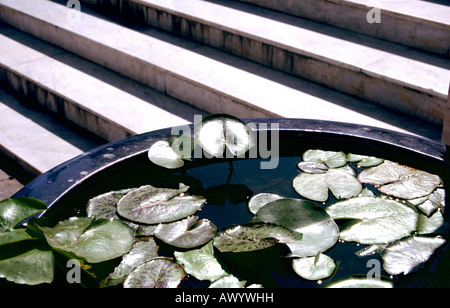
(104, 206)
(162, 154)
(252, 237)
(314, 268)
(14, 236)
(364, 161)
(317, 229)
(377, 220)
(157, 273)
(361, 283)
(228, 282)
(400, 181)
(430, 203)
(97, 242)
(312, 167)
(151, 205)
(258, 201)
(219, 132)
(341, 182)
(329, 158)
(201, 263)
(187, 233)
(427, 225)
(15, 210)
(405, 255)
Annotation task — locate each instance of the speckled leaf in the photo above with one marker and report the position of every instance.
(330, 158)
(151, 205)
(157, 273)
(314, 268)
(252, 237)
(15, 210)
(187, 233)
(364, 161)
(376, 220)
(317, 229)
(405, 255)
(201, 263)
(400, 181)
(361, 283)
(162, 154)
(258, 201)
(104, 206)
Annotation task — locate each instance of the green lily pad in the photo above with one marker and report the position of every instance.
(228, 282)
(201, 263)
(405, 255)
(151, 205)
(96, 242)
(400, 181)
(187, 233)
(430, 203)
(312, 167)
(315, 230)
(361, 283)
(219, 132)
(104, 206)
(157, 273)
(364, 161)
(314, 268)
(376, 220)
(15, 210)
(14, 236)
(330, 158)
(162, 154)
(258, 201)
(252, 237)
(315, 186)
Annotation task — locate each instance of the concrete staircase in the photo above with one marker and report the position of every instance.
(116, 68)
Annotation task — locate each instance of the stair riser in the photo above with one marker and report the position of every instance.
(393, 27)
(346, 79)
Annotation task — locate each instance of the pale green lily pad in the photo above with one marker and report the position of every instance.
(431, 224)
(228, 282)
(361, 283)
(187, 233)
(376, 220)
(151, 205)
(104, 206)
(15, 210)
(157, 273)
(258, 201)
(252, 237)
(364, 161)
(314, 268)
(32, 267)
(312, 167)
(430, 203)
(162, 154)
(403, 256)
(97, 242)
(400, 181)
(219, 132)
(201, 263)
(315, 230)
(341, 182)
(14, 236)
(330, 158)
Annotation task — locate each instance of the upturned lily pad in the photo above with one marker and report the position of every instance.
(13, 211)
(187, 233)
(258, 201)
(330, 158)
(361, 283)
(405, 255)
(151, 205)
(314, 268)
(217, 133)
(375, 220)
(201, 263)
(157, 273)
(315, 230)
(400, 181)
(97, 242)
(315, 186)
(162, 154)
(252, 237)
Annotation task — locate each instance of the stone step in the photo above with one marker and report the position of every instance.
(211, 80)
(371, 69)
(420, 24)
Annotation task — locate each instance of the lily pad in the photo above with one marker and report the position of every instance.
(151, 205)
(364, 161)
(97, 242)
(228, 282)
(187, 233)
(104, 206)
(15, 210)
(157, 273)
(430, 203)
(330, 158)
(376, 220)
(252, 237)
(427, 225)
(314, 268)
(201, 263)
(14, 236)
(217, 133)
(315, 230)
(405, 255)
(258, 201)
(400, 181)
(341, 182)
(361, 283)
(162, 154)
